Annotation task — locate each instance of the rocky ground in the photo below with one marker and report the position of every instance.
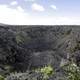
(27, 48)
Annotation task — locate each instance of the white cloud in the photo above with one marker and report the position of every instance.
(37, 7)
(19, 8)
(12, 16)
(14, 3)
(53, 7)
(29, 0)
(18, 17)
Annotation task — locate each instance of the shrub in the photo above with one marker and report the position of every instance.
(46, 71)
(72, 71)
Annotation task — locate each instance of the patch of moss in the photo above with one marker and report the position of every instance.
(47, 71)
(1, 77)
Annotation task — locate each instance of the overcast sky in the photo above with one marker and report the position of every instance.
(40, 12)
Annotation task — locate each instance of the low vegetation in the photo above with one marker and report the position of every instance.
(39, 53)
